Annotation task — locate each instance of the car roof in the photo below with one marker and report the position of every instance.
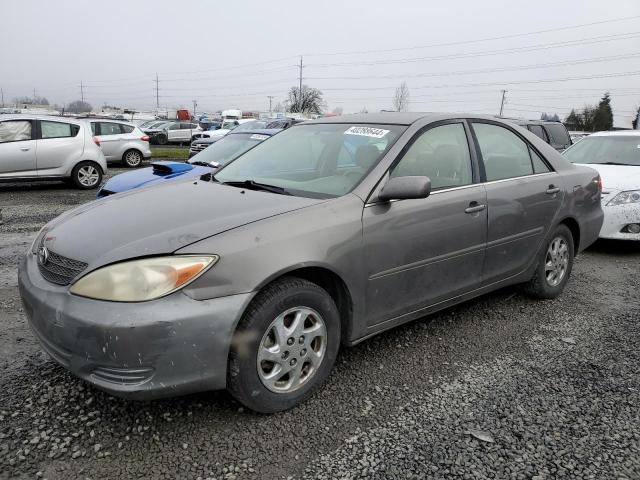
(524, 121)
(398, 118)
(53, 118)
(617, 133)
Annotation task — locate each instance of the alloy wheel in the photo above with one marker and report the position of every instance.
(292, 349)
(132, 158)
(556, 261)
(88, 176)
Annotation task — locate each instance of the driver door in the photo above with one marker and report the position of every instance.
(421, 252)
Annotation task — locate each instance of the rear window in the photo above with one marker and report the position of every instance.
(558, 134)
(538, 131)
(15, 131)
(58, 129)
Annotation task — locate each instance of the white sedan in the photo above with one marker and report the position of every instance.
(616, 156)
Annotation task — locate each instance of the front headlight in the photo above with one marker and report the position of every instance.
(623, 198)
(142, 280)
(38, 240)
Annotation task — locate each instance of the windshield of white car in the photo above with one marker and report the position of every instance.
(316, 160)
(227, 148)
(606, 150)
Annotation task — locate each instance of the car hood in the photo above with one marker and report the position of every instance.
(148, 176)
(618, 177)
(160, 220)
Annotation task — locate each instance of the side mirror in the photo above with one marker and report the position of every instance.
(405, 188)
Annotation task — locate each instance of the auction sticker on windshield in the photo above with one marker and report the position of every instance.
(367, 132)
(258, 136)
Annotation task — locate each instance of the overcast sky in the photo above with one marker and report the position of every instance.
(237, 53)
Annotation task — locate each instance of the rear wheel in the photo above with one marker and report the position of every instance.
(132, 158)
(162, 139)
(284, 347)
(86, 175)
(554, 265)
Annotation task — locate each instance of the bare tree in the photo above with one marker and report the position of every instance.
(78, 106)
(309, 101)
(31, 100)
(401, 100)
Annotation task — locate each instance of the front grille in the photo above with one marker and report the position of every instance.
(60, 270)
(198, 147)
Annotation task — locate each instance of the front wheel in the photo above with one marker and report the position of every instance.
(132, 158)
(284, 347)
(86, 175)
(554, 265)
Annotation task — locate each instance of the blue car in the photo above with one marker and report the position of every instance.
(208, 160)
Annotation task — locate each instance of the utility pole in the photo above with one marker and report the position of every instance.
(81, 91)
(195, 104)
(157, 93)
(2, 95)
(34, 93)
(270, 97)
(502, 102)
(300, 90)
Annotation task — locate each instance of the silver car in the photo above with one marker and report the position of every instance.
(252, 277)
(50, 148)
(122, 142)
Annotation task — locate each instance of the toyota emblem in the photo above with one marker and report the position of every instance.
(43, 255)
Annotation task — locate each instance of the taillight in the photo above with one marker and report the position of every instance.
(96, 141)
(145, 138)
(599, 184)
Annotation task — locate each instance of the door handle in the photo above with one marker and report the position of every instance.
(474, 207)
(24, 149)
(552, 190)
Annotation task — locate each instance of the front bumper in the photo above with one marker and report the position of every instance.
(616, 218)
(167, 347)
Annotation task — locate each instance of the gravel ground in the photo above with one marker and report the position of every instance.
(500, 387)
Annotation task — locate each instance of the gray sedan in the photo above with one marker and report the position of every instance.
(328, 233)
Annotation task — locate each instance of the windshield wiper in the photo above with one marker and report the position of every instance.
(253, 185)
(616, 163)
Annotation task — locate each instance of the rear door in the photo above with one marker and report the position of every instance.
(17, 148)
(58, 146)
(174, 133)
(421, 252)
(523, 198)
(110, 136)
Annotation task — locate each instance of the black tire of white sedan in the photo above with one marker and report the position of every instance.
(284, 347)
(554, 265)
(86, 175)
(132, 158)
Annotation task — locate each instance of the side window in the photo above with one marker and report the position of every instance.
(58, 129)
(538, 164)
(93, 128)
(110, 128)
(539, 131)
(15, 131)
(504, 154)
(127, 128)
(174, 126)
(442, 154)
(558, 134)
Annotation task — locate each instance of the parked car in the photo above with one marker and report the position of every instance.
(122, 142)
(200, 144)
(252, 278)
(225, 149)
(179, 132)
(283, 123)
(50, 148)
(577, 136)
(616, 157)
(157, 132)
(554, 133)
(225, 127)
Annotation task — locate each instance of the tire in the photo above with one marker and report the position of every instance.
(162, 139)
(553, 269)
(86, 175)
(132, 158)
(303, 360)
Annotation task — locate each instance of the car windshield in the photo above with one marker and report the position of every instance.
(227, 148)
(255, 125)
(316, 160)
(615, 150)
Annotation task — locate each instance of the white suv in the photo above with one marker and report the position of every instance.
(50, 148)
(121, 142)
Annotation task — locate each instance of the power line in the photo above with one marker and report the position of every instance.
(477, 40)
(609, 58)
(568, 43)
